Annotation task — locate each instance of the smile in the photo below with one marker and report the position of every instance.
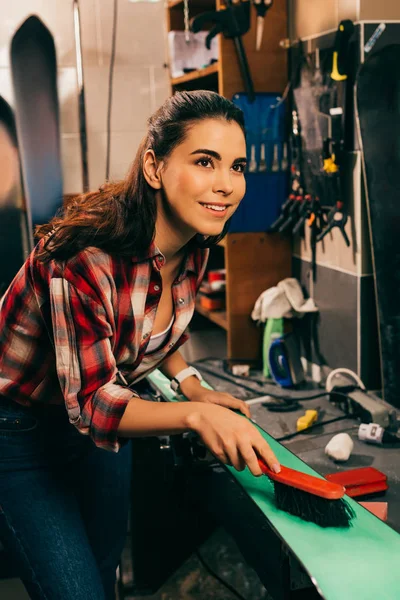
(216, 208)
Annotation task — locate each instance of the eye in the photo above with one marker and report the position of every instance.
(239, 167)
(205, 162)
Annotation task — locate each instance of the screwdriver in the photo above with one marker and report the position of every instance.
(261, 7)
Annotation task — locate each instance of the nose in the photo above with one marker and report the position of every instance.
(223, 182)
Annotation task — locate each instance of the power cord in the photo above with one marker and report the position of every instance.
(267, 393)
(217, 577)
(110, 88)
(268, 381)
(305, 431)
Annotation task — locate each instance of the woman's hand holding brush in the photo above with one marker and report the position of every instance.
(232, 438)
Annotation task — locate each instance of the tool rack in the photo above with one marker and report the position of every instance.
(268, 66)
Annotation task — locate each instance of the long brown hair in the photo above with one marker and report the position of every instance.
(120, 217)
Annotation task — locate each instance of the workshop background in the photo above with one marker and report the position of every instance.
(344, 289)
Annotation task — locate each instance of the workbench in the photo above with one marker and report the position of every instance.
(263, 544)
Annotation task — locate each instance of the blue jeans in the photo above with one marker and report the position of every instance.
(63, 504)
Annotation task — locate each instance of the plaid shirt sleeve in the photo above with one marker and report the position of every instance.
(86, 366)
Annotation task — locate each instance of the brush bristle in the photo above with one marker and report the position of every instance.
(323, 512)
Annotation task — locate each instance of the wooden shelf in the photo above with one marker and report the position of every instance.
(216, 316)
(196, 74)
(203, 4)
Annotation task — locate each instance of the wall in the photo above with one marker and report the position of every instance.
(140, 80)
(344, 286)
(310, 17)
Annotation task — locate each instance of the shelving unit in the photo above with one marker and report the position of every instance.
(199, 74)
(216, 316)
(253, 261)
(268, 66)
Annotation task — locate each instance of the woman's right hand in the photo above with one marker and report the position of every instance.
(232, 438)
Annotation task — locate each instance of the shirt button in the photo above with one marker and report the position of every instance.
(181, 301)
(156, 288)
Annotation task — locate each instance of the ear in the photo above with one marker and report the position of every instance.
(151, 170)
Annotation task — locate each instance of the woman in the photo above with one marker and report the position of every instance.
(105, 298)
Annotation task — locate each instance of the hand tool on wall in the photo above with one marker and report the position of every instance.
(261, 6)
(335, 96)
(291, 208)
(337, 216)
(275, 160)
(339, 59)
(284, 162)
(262, 167)
(293, 214)
(233, 22)
(304, 214)
(286, 206)
(315, 222)
(81, 99)
(252, 163)
(333, 145)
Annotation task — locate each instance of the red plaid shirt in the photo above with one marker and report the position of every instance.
(69, 329)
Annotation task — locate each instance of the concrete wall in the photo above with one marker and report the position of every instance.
(344, 288)
(140, 80)
(310, 17)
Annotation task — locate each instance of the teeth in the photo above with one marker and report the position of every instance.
(213, 207)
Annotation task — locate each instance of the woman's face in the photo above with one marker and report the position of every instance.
(203, 178)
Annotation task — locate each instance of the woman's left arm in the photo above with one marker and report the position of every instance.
(192, 389)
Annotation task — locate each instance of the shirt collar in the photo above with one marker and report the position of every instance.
(188, 263)
(155, 254)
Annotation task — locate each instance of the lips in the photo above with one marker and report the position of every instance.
(219, 210)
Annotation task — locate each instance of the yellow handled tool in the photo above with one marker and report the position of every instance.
(343, 35)
(307, 419)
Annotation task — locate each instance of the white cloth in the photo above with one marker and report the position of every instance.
(284, 300)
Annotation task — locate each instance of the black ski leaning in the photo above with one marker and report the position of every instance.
(34, 75)
(14, 242)
(378, 119)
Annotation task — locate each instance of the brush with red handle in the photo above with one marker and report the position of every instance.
(309, 498)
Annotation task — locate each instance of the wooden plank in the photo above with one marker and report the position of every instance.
(216, 316)
(175, 15)
(203, 4)
(254, 262)
(194, 75)
(268, 66)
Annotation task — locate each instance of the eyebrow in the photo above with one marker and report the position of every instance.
(216, 155)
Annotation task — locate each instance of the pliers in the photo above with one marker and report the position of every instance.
(337, 217)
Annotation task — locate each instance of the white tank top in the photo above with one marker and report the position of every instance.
(157, 341)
